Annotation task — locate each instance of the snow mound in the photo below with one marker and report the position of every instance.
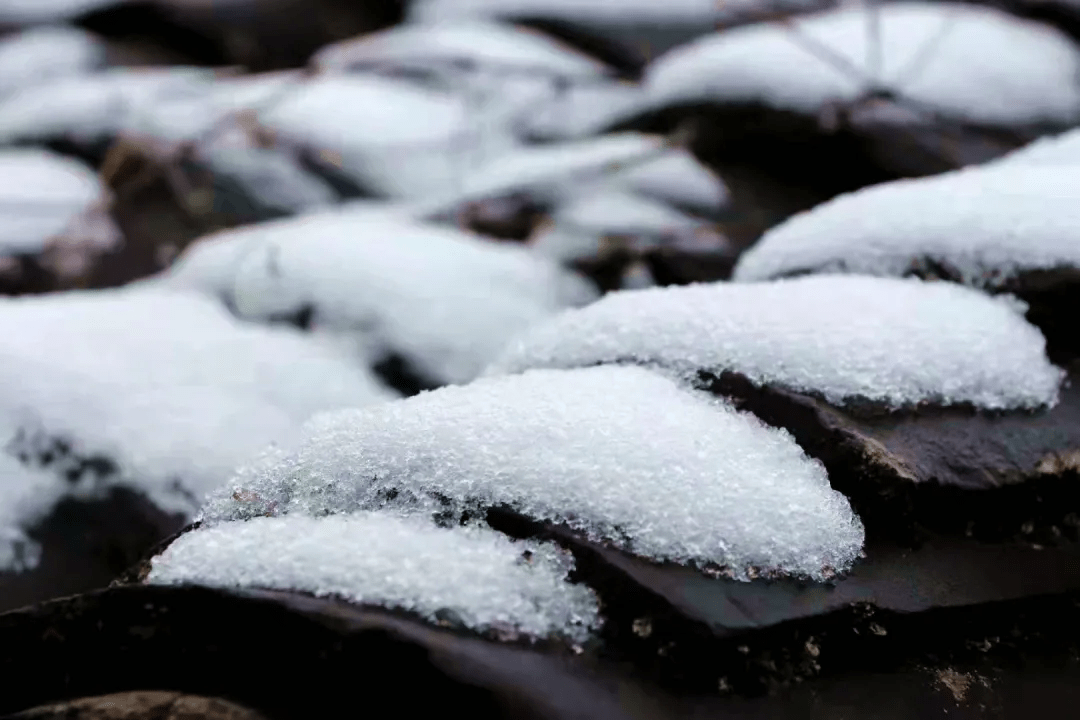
(558, 170)
(582, 227)
(967, 61)
(984, 224)
(446, 300)
(582, 109)
(167, 385)
(42, 54)
(396, 138)
(25, 496)
(53, 202)
(899, 342)
(675, 177)
(475, 45)
(486, 580)
(100, 105)
(621, 454)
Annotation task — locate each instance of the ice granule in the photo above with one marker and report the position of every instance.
(986, 224)
(898, 342)
(621, 454)
(407, 563)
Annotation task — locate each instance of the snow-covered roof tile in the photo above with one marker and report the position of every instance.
(448, 301)
(985, 224)
(967, 61)
(621, 454)
(409, 564)
(898, 342)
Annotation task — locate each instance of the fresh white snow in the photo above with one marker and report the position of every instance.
(37, 11)
(52, 202)
(166, 384)
(985, 224)
(621, 454)
(397, 138)
(967, 61)
(40, 54)
(900, 342)
(486, 580)
(446, 300)
(552, 171)
(471, 45)
(580, 227)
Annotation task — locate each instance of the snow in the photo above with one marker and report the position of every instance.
(898, 342)
(582, 109)
(971, 62)
(470, 44)
(35, 11)
(50, 200)
(621, 454)
(96, 106)
(580, 226)
(1063, 149)
(446, 300)
(678, 178)
(985, 224)
(554, 170)
(608, 11)
(403, 563)
(25, 496)
(166, 384)
(42, 54)
(399, 139)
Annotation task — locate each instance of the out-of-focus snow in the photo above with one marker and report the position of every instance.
(445, 300)
(966, 61)
(167, 385)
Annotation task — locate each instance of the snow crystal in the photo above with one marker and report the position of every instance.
(986, 224)
(493, 46)
(42, 54)
(166, 384)
(900, 342)
(620, 453)
(446, 300)
(25, 496)
(968, 61)
(404, 563)
(49, 198)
